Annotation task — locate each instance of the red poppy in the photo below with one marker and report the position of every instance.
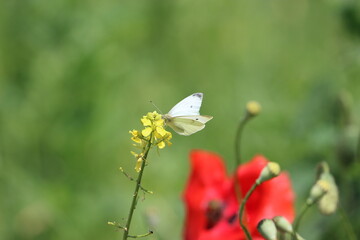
(212, 204)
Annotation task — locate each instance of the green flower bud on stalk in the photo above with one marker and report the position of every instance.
(253, 108)
(271, 170)
(329, 202)
(283, 224)
(320, 188)
(267, 229)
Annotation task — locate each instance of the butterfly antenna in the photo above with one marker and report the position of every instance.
(156, 107)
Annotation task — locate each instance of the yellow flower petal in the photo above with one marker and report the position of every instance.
(161, 145)
(137, 140)
(146, 132)
(159, 123)
(161, 131)
(146, 122)
(134, 132)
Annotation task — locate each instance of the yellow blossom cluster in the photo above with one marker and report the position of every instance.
(153, 134)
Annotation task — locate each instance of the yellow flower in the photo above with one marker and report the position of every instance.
(162, 136)
(159, 123)
(152, 119)
(160, 132)
(153, 134)
(153, 116)
(136, 136)
(154, 127)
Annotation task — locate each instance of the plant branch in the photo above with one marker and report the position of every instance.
(241, 211)
(132, 179)
(298, 219)
(141, 235)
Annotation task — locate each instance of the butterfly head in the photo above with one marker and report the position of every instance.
(166, 117)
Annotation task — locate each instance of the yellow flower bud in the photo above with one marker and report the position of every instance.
(139, 159)
(138, 164)
(271, 170)
(161, 145)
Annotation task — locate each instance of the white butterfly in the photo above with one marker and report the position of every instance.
(184, 118)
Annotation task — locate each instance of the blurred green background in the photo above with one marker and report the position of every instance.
(76, 76)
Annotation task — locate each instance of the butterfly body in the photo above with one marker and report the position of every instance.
(184, 118)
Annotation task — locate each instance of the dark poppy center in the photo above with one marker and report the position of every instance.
(214, 212)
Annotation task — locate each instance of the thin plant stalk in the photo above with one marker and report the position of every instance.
(241, 211)
(357, 157)
(237, 149)
(238, 138)
(136, 192)
(347, 224)
(298, 219)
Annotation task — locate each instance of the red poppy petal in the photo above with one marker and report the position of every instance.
(272, 198)
(226, 232)
(206, 182)
(223, 231)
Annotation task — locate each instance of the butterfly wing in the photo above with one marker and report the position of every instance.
(190, 106)
(187, 125)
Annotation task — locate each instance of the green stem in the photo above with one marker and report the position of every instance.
(136, 192)
(347, 224)
(238, 138)
(357, 157)
(298, 219)
(242, 207)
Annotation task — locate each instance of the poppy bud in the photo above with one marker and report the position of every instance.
(329, 202)
(253, 108)
(283, 224)
(317, 191)
(271, 170)
(267, 229)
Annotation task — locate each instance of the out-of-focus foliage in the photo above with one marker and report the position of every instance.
(76, 76)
